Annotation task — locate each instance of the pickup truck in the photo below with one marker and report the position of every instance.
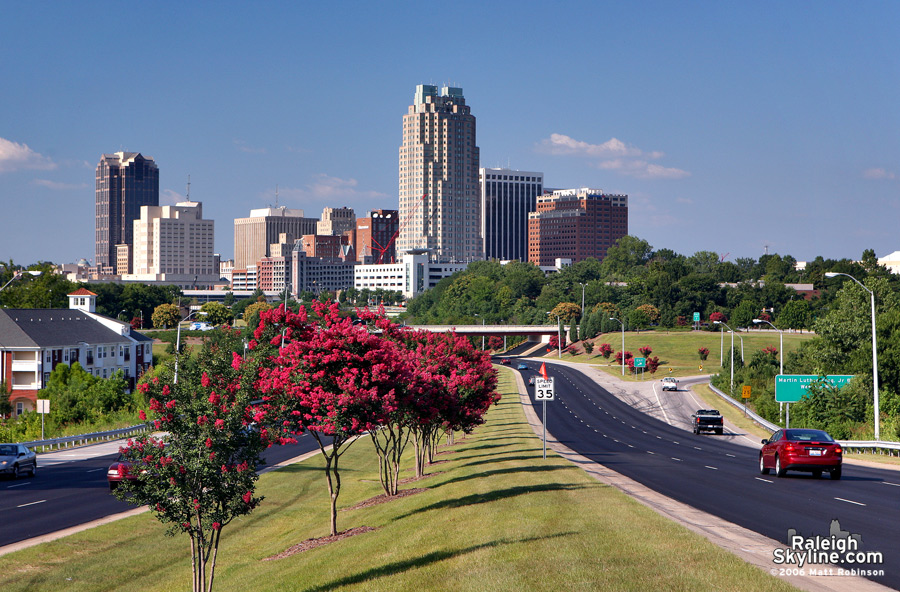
(669, 384)
(707, 420)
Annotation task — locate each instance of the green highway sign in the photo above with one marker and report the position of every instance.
(696, 317)
(640, 362)
(790, 388)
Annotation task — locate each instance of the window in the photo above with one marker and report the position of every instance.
(20, 408)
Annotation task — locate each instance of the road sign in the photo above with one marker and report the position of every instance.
(43, 405)
(745, 392)
(696, 317)
(640, 362)
(543, 389)
(790, 388)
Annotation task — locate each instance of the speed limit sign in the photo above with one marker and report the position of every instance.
(543, 389)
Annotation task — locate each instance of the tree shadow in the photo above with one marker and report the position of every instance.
(493, 458)
(483, 498)
(422, 561)
(509, 471)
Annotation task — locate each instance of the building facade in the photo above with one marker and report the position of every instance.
(314, 274)
(125, 181)
(336, 221)
(438, 173)
(174, 245)
(575, 224)
(412, 275)
(253, 235)
(507, 197)
(375, 238)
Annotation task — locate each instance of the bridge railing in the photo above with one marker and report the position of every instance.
(81, 439)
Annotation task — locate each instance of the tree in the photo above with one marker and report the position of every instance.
(638, 319)
(588, 347)
(254, 311)
(566, 311)
(651, 312)
(573, 332)
(202, 475)
(165, 316)
(606, 350)
(796, 314)
(217, 313)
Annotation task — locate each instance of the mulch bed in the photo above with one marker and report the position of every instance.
(319, 542)
(380, 499)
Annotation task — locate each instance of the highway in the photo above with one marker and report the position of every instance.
(719, 476)
(67, 493)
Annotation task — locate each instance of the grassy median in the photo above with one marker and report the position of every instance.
(494, 516)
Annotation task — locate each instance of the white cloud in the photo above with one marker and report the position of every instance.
(15, 157)
(243, 147)
(329, 191)
(684, 200)
(169, 197)
(614, 155)
(57, 186)
(876, 173)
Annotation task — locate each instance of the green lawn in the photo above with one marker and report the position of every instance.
(678, 350)
(495, 516)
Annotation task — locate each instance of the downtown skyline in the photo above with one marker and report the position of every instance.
(731, 128)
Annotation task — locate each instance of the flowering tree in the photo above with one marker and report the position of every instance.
(202, 475)
(588, 347)
(717, 316)
(338, 382)
(606, 350)
(653, 364)
(704, 352)
(628, 356)
(495, 343)
(645, 350)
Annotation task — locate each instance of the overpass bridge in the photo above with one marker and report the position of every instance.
(532, 332)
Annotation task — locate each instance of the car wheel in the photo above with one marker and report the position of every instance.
(719, 431)
(836, 473)
(778, 470)
(817, 474)
(113, 485)
(762, 466)
(16, 472)
(34, 469)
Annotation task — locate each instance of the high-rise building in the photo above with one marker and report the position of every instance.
(507, 197)
(575, 224)
(439, 198)
(125, 181)
(253, 235)
(174, 245)
(375, 238)
(336, 221)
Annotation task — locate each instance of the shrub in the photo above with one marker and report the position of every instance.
(704, 352)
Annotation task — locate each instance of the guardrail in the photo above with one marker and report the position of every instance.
(81, 439)
(850, 445)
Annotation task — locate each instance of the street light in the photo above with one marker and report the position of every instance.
(832, 274)
(178, 340)
(482, 334)
(19, 274)
(732, 353)
(582, 307)
(780, 345)
(623, 342)
(558, 338)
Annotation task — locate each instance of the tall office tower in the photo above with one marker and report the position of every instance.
(507, 197)
(372, 241)
(125, 181)
(253, 235)
(174, 244)
(439, 202)
(336, 221)
(575, 224)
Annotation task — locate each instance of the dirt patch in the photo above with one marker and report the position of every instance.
(319, 542)
(380, 499)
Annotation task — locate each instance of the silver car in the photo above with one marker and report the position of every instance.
(16, 459)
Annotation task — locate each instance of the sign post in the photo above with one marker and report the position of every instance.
(544, 391)
(696, 320)
(43, 407)
(745, 394)
(640, 363)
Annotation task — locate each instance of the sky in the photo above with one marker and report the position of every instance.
(735, 127)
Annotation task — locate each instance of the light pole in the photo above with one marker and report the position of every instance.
(482, 335)
(178, 340)
(832, 274)
(780, 343)
(582, 308)
(623, 342)
(558, 338)
(732, 353)
(19, 274)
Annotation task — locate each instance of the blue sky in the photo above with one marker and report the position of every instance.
(731, 126)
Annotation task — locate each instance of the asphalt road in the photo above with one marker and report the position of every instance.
(67, 493)
(720, 477)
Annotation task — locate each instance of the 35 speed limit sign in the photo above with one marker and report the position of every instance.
(543, 389)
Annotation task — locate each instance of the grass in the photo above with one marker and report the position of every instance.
(496, 516)
(678, 350)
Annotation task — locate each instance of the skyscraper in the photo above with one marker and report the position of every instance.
(253, 235)
(439, 198)
(125, 181)
(507, 196)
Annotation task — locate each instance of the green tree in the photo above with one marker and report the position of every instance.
(217, 313)
(566, 311)
(796, 314)
(165, 316)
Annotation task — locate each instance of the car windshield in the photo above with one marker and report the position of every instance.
(808, 436)
(7, 450)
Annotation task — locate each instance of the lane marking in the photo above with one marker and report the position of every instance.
(650, 452)
(849, 501)
(713, 468)
(889, 483)
(697, 448)
(19, 485)
(678, 459)
(661, 408)
(764, 480)
(731, 455)
(95, 470)
(31, 504)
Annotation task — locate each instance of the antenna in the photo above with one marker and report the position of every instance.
(189, 188)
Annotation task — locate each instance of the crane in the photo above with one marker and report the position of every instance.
(382, 250)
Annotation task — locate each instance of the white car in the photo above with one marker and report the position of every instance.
(201, 327)
(669, 384)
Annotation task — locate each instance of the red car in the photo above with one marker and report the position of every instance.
(801, 449)
(118, 472)
(504, 361)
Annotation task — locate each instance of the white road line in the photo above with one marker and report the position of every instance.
(650, 452)
(764, 480)
(19, 485)
(95, 470)
(697, 448)
(731, 455)
(31, 504)
(849, 501)
(630, 446)
(674, 442)
(713, 468)
(889, 483)
(661, 408)
(678, 459)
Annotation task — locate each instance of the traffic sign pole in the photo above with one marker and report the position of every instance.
(544, 391)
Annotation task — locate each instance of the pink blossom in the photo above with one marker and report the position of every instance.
(209, 442)
(171, 403)
(216, 526)
(247, 497)
(142, 415)
(220, 424)
(165, 390)
(204, 380)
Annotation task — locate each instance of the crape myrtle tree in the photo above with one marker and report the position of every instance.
(202, 474)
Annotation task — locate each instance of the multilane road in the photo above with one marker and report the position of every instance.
(720, 477)
(69, 493)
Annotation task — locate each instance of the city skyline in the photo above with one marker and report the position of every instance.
(734, 129)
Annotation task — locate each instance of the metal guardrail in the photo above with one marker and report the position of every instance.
(81, 439)
(851, 445)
